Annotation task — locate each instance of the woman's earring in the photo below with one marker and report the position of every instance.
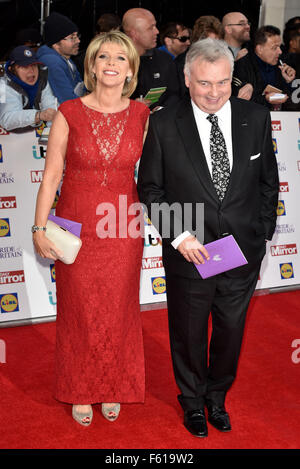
(128, 79)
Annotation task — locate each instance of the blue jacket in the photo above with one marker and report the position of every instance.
(63, 76)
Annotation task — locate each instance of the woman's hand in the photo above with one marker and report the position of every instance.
(44, 247)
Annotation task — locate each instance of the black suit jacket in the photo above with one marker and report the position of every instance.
(246, 70)
(157, 69)
(173, 169)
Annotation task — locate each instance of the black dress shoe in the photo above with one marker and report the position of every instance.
(195, 422)
(218, 417)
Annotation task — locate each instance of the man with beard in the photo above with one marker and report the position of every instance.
(157, 68)
(236, 32)
(61, 42)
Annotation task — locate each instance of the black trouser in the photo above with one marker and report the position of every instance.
(200, 377)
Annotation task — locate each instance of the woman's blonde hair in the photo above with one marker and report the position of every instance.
(126, 43)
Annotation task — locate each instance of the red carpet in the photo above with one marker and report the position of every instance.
(264, 401)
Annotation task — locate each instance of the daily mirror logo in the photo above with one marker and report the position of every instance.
(276, 125)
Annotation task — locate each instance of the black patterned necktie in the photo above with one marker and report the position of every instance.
(219, 157)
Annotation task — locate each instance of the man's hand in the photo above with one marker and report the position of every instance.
(287, 72)
(241, 53)
(190, 248)
(47, 114)
(246, 92)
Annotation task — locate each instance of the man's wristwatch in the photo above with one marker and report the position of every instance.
(35, 228)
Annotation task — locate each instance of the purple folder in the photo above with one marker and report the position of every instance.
(72, 226)
(225, 254)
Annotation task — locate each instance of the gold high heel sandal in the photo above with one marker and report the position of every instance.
(111, 411)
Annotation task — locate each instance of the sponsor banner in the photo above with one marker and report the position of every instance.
(15, 276)
(27, 282)
(281, 264)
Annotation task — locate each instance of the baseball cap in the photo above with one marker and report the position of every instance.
(23, 55)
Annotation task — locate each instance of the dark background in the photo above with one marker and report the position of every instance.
(19, 14)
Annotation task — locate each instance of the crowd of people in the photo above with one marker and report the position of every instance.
(195, 142)
(263, 67)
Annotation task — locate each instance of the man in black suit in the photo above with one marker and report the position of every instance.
(157, 68)
(228, 166)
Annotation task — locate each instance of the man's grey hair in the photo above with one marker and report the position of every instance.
(209, 50)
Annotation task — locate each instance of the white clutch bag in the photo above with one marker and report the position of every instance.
(66, 242)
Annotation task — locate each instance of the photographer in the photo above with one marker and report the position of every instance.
(26, 97)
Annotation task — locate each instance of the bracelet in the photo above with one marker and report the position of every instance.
(35, 228)
(38, 115)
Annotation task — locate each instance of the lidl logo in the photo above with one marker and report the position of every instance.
(9, 303)
(281, 208)
(158, 285)
(52, 272)
(4, 227)
(275, 149)
(286, 270)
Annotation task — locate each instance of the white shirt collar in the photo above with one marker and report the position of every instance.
(223, 114)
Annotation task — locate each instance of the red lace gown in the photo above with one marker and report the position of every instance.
(99, 344)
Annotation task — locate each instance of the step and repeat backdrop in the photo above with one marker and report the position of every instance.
(27, 282)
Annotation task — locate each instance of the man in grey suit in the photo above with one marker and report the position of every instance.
(216, 150)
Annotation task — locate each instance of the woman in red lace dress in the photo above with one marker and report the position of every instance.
(99, 138)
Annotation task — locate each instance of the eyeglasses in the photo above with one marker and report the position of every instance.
(73, 38)
(245, 23)
(182, 38)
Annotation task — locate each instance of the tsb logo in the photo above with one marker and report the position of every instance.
(276, 125)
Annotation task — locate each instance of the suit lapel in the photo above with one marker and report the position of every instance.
(240, 146)
(187, 128)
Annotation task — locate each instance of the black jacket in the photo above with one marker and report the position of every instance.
(157, 69)
(173, 169)
(246, 70)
